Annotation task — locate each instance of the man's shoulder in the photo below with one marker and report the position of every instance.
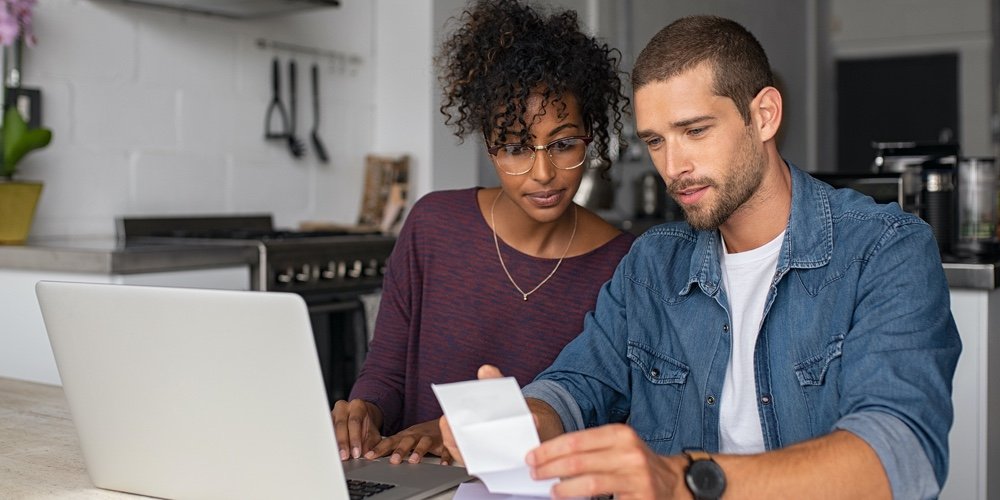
(848, 205)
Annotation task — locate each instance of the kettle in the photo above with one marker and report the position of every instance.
(650, 196)
(596, 191)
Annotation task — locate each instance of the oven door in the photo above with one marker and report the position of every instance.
(340, 327)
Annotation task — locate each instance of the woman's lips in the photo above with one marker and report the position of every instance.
(691, 195)
(545, 199)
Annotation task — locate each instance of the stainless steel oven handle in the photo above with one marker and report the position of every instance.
(342, 306)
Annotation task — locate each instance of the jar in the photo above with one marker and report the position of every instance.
(977, 207)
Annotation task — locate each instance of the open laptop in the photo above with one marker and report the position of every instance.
(189, 393)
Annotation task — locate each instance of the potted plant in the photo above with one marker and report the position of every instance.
(17, 199)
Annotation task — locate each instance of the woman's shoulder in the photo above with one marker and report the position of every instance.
(452, 204)
(447, 199)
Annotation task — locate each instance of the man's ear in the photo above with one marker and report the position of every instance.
(765, 113)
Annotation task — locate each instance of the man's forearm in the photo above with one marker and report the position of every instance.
(838, 465)
(547, 421)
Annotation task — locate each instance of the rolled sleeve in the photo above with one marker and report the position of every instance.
(906, 464)
(559, 399)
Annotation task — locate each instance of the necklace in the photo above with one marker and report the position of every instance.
(496, 242)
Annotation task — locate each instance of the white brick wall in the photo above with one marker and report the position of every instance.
(158, 112)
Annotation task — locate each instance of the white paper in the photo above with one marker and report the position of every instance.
(495, 431)
(475, 490)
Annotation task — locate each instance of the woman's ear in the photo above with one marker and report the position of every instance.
(765, 112)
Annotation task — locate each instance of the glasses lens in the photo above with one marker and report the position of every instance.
(567, 153)
(515, 158)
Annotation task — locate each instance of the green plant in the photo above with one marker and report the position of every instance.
(19, 140)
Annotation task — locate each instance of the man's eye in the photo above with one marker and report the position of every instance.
(653, 142)
(697, 131)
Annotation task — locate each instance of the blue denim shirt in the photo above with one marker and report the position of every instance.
(857, 335)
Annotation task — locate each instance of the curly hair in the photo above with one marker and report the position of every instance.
(504, 51)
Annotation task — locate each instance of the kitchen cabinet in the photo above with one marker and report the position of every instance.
(974, 472)
(24, 346)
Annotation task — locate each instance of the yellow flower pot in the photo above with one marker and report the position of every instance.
(17, 208)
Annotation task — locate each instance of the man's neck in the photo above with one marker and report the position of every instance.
(765, 215)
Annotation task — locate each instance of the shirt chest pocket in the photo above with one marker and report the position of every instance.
(658, 383)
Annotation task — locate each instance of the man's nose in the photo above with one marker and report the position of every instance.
(671, 163)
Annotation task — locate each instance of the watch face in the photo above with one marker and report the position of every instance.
(706, 479)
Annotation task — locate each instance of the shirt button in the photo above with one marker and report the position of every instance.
(710, 400)
(766, 399)
(654, 373)
(725, 328)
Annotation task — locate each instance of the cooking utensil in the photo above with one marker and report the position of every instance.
(295, 146)
(314, 135)
(275, 106)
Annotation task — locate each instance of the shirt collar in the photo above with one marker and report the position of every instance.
(808, 241)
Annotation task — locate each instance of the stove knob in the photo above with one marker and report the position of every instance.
(285, 276)
(341, 269)
(305, 274)
(372, 269)
(356, 269)
(329, 272)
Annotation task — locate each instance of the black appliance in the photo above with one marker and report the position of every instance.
(331, 270)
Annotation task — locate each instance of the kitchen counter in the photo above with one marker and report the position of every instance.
(975, 275)
(108, 256)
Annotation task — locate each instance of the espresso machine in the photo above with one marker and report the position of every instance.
(956, 195)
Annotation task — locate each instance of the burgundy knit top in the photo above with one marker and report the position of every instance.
(447, 307)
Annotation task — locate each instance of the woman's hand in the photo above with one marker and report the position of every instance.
(356, 426)
(412, 443)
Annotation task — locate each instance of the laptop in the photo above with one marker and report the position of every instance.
(191, 393)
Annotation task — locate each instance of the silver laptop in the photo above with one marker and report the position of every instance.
(188, 393)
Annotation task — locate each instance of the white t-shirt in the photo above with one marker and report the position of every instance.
(746, 277)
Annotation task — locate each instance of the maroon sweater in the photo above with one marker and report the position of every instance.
(447, 308)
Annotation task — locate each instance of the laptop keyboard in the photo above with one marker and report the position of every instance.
(364, 489)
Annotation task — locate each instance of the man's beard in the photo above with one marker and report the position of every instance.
(738, 187)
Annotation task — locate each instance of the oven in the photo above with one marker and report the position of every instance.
(338, 274)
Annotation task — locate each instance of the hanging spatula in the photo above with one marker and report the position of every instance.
(316, 142)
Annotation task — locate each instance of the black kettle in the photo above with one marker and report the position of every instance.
(650, 196)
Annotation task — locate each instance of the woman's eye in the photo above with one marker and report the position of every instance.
(559, 146)
(515, 150)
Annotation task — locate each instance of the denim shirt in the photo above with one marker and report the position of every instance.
(857, 335)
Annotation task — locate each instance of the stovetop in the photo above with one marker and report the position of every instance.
(289, 260)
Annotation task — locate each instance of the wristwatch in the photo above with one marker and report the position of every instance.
(703, 476)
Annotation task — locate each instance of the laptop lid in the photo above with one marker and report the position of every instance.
(192, 393)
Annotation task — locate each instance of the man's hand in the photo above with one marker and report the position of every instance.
(413, 443)
(485, 371)
(608, 459)
(356, 426)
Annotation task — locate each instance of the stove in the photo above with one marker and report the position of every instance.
(337, 273)
(348, 261)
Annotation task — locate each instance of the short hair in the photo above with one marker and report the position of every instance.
(739, 64)
(503, 51)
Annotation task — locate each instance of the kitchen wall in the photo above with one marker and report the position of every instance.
(158, 112)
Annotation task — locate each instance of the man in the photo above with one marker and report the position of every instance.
(787, 341)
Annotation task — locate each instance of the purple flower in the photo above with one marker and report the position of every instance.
(15, 21)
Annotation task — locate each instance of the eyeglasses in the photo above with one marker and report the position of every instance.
(566, 153)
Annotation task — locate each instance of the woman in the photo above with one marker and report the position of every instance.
(501, 275)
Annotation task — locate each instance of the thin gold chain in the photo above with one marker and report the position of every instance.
(496, 242)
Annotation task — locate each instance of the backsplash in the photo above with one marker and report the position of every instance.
(156, 112)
